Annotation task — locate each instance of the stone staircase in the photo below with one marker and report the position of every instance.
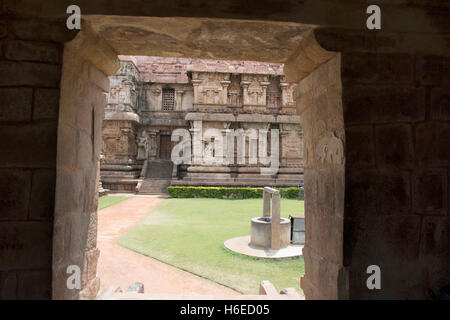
(157, 178)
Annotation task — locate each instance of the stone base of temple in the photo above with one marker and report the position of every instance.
(121, 185)
(120, 178)
(237, 177)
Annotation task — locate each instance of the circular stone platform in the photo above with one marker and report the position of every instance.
(242, 245)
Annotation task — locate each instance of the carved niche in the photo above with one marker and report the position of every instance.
(274, 93)
(209, 90)
(235, 91)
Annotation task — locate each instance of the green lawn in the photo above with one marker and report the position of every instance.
(107, 201)
(189, 234)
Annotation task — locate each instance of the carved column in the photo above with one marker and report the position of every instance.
(284, 133)
(245, 85)
(196, 83)
(153, 145)
(264, 85)
(197, 143)
(225, 85)
(179, 99)
(284, 97)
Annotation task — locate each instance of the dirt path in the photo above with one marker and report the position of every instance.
(122, 267)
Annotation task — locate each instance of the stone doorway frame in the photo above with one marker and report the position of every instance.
(88, 60)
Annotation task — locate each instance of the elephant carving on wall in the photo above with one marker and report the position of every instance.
(330, 148)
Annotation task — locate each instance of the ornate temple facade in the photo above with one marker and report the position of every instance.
(243, 103)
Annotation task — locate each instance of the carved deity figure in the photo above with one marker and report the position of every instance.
(142, 146)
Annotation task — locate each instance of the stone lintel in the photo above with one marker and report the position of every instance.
(95, 50)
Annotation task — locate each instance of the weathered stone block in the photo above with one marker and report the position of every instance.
(360, 146)
(394, 146)
(85, 114)
(351, 40)
(16, 104)
(325, 191)
(42, 198)
(25, 245)
(377, 68)
(46, 104)
(90, 265)
(3, 29)
(339, 192)
(430, 191)
(377, 192)
(91, 290)
(71, 183)
(49, 30)
(35, 284)
(433, 70)
(98, 78)
(29, 74)
(393, 192)
(84, 151)
(32, 145)
(325, 236)
(432, 143)
(33, 51)
(440, 104)
(67, 154)
(320, 273)
(8, 285)
(391, 239)
(15, 191)
(435, 238)
(369, 104)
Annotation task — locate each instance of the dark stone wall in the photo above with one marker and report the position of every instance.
(396, 114)
(30, 71)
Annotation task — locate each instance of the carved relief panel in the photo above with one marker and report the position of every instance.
(254, 89)
(210, 88)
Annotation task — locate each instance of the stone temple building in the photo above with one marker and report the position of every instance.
(244, 103)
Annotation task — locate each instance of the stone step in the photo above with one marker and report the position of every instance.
(154, 186)
(136, 292)
(159, 169)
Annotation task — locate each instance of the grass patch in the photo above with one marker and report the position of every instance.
(108, 201)
(189, 234)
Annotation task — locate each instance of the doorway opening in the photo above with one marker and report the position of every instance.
(92, 57)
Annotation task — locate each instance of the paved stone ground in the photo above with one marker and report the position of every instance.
(122, 267)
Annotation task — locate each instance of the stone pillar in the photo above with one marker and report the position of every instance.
(264, 85)
(153, 145)
(225, 85)
(319, 106)
(284, 98)
(245, 99)
(87, 63)
(179, 100)
(283, 145)
(266, 204)
(197, 142)
(195, 84)
(276, 224)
